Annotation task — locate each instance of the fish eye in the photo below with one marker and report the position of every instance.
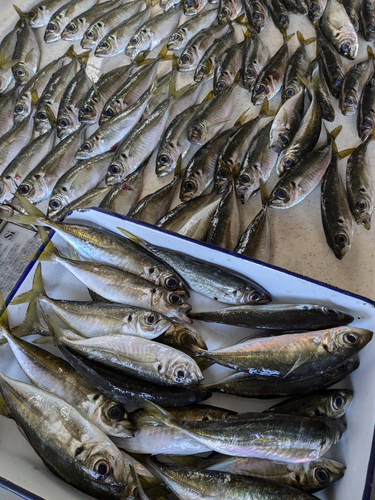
(349, 101)
(255, 297)
(284, 140)
(70, 27)
(189, 186)
(225, 11)
(321, 475)
(185, 58)
(195, 131)
(202, 70)
(42, 116)
(55, 204)
(221, 86)
(288, 162)
(86, 146)
(104, 45)
(245, 179)
(23, 189)
(102, 468)
(345, 47)
(64, 123)
(164, 159)
(337, 81)
(190, 3)
(171, 282)
(175, 299)
(180, 375)
(20, 72)
(18, 109)
(116, 412)
(260, 89)
(150, 319)
(367, 123)
(361, 206)
(114, 169)
(108, 112)
(256, 15)
(281, 194)
(331, 311)
(289, 92)
(222, 174)
(341, 240)
(314, 6)
(151, 270)
(134, 40)
(371, 27)
(351, 338)
(31, 14)
(51, 27)
(90, 34)
(338, 403)
(283, 18)
(250, 73)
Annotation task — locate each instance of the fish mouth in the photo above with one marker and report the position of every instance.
(50, 37)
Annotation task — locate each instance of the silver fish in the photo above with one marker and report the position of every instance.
(117, 39)
(101, 26)
(352, 11)
(328, 111)
(7, 102)
(286, 121)
(26, 160)
(279, 14)
(316, 9)
(67, 117)
(193, 7)
(338, 29)
(298, 65)
(255, 57)
(256, 13)
(168, 4)
(367, 16)
(366, 115)
(63, 16)
(39, 15)
(185, 98)
(331, 63)
(14, 140)
(76, 28)
(77, 181)
(336, 215)
(213, 55)
(152, 33)
(229, 10)
(39, 183)
(26, 54)
(91, 199)
(179, 39)
(7, 46)
(359, 186)
(228, 67)
(113, 131)
(353, 85)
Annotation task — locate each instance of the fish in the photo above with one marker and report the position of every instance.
(14, 140)
(212, 56)
(62, 17)
(113, 131)
(164, 440)
(367, 19)
(338, 29)
(310, 477)
(196, 47)
(116, 41)
(257, 165)
(67, 116)
(52, 374)
(191, 218)
(76, 182)
(39, 183)
(127, 390)
(322, 92)
(183, 338)
(255, 241)
(297, 6)
(186, 96)
(124, 195)
(139, 144)
(352, 11)
(331, 63)
(307, 134)
(99, 93)
(168, 4)
(135, 356)
(366, 116)
(26, 160)
(336, 215)
(34, 88)
(184, 33)
(271, 77)
(193, 7)
(7, 46)
(68, 444)
(207, 279)
(7, 102)
(359, 186)
(130, 91)
(296, 184)
(225, 228)
(199, 174)
(191, 483)
(256, 56)
(229, 10)
(256, 13)
(210, 120)
(26, 52)
(280, 317)
(152, 33)
(153, 207)
(287, 121)
(331, 403)
(39, 15)
(102, 25)
(279, 14)
(250, 386)
(91, 199)
(316, 9)
(354, 83)
(76, 28)
(314, 439)
(228, 67)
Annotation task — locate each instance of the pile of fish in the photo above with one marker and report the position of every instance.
(119, 417)
(76, 135)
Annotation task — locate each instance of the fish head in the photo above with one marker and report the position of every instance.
(183, 370)
(172, 304)
(6, 77)
(204, 68)
(192, 7)
(114, 107)
(342, 240)
(250, 75)
(197, 133)
(111, 417)
(257, 16)
(147, 322)
(228, 10)
(41, 121)
(249, 295)
(67, 124)
(56, 204)
(73, 30)
(22, 72)
(88, 148)
(38, 16)
(363, 208)
(189, 59)
(22, 108)
(92, 36)
(223, 175)
(167, 159)
(316, 9)
(137, 44)
(116, 171)
(285, 162)
(89, 111)
(346, 339)
(222, 83)
(348, 45)
(366, 125)
(34, 188)
(368, 30)
(107, 46)
(349, 102)
(337, 402)
(54, 28)
(177, 40)
(284, 195)
(260, 92)
(164, 277)
(248, 182)
(280, 139)
(192, 186)
(321, 473)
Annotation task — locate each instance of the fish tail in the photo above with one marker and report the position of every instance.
(265, 109)
(370, 52)
(84, 58)
(20, 12)
(70, 53)
(287, 37)
(304, 41)
(264, 194)
(50, 115)
(160, 414)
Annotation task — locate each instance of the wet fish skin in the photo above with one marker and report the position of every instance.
(286, 122)
(7, 46)
(256, 13)
(279, 14)
(331, 64)
(352, 11)
(26, 160)
(39, 15)
(310, 477)
(322, 91)
(255, 241)
(336, 215)
(249, 386)
(27, 55)
(211, 58)
(366, 115)
(14, 140)
(338, 29)
(331, 403)
(353, 85)
(7, 102)
(228, 68)
(91, 199)
(359, 186)
(367, 18)
(229, 10)
(44, 420)
(316, 9)
(257, 165)
(256, 56)
(298, 65)
(193, 7)
(178, 40)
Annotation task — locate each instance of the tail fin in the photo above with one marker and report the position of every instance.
(303, 41)
(265, 110)
(50, 254)
(160, 414)
(287, 37)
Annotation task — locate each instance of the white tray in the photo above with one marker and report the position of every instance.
(20, 465)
